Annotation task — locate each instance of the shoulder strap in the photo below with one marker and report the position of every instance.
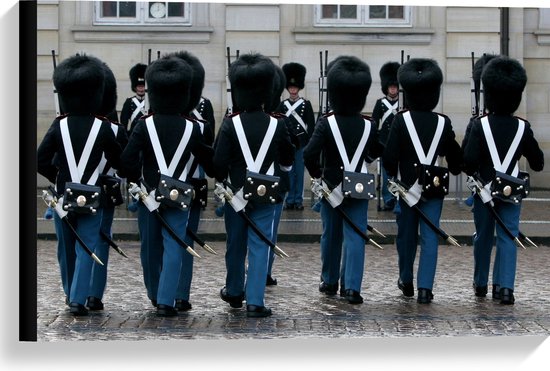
(254, 165)
(502, 167)
(292, 111)
(392, 109)
(426, 159)
(140, 105)
(77, 171)
(161, 161)
(349, 166)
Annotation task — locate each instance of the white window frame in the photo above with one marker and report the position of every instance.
(142, 16)
(362, 19)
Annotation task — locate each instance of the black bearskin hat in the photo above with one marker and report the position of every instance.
(478, 68)
(388, 76)
(108, 104)
(79, 82)
(197, 83)
(503, 81)
(137, 75)
(348, 83)
(421, 80)
(295, 74)
(168, 85)
(279, 83)
(251, 77)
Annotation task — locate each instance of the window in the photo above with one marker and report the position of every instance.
(362, 15)
(142, 12)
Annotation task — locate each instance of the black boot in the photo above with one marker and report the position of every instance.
(406, 288)
(506, 296)
(496, 292)
(480, 291)
(425, 296)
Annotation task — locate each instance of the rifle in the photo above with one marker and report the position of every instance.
(146, 103)
(228, 84)
(401, 94)
(323, 94)
(55, 97)
(473, 93)
(481, 106)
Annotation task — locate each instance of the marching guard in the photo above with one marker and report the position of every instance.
(154, 163)
(134, 107)
(417, 138)
(493, 146)
(335, 157)
(383, 113)
(69, 156)
(302, 122)
(249, 146)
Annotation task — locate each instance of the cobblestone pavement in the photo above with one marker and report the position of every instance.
(458, 329)
(300, 311)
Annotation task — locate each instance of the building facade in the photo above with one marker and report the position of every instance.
(123, 34)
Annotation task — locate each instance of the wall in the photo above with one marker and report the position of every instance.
(286, 33)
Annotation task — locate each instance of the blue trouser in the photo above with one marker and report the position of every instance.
(387, 196)
(66, 254)
(99, 272)
(241, 239)
(295, 194)
(172, 256)
(87, 226)
(171, 251)
(343, 249)
(408, 225)
(276, 219)
(186, 275)
(150, 231)
(504, 267)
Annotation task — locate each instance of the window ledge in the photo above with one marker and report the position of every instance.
(543, 37)
(363, 35)
(141, 33)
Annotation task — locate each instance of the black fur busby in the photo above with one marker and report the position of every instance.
(79, 83)
(478, 68)
(388, 75)
(348, 83)
(503, 81)
(137, 75)
(295, 74)
(421, 80)
(168, 85)
(251, 77)
(197, 83)
(108, 104)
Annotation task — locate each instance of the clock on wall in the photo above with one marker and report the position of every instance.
(157, 10)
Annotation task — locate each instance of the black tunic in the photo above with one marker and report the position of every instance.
(138, 158)
(399, 153)
(321, 155)
(477, 157)
(305, 111)
(51, 148)
(228, 157)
